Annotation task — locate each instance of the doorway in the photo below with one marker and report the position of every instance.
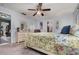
(5, 30)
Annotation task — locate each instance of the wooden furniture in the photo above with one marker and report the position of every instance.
(37, 30)
(20, 37)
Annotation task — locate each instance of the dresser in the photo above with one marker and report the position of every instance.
(20, 37)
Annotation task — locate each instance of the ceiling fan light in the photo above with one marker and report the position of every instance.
(39, 12)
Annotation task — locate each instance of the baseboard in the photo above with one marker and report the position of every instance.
(3, 44)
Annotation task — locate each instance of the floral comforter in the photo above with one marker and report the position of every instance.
(59, 44)
(67, 44)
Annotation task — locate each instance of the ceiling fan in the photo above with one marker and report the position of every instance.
(39, 10)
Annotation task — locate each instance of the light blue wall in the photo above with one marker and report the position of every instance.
(15, 21)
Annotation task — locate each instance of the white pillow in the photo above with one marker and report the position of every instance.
(77, 33)
(74, 29)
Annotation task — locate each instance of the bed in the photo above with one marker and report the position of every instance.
(53, 43)
(67, 44)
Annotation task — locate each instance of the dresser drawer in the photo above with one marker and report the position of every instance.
(21, 37)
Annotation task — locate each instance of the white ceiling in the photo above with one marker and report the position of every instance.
(56, 8)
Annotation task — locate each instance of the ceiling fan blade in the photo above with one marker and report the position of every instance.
(32, 9)
(42, 14)
(23, 13)
(34, 14)
(46, 9)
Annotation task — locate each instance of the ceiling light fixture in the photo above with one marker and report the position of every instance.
(38, 12)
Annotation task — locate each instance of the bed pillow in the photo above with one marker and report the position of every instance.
(65, 30)
(74, 29)
(76, 33)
